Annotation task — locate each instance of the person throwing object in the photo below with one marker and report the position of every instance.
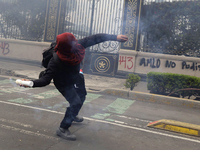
(71, 52)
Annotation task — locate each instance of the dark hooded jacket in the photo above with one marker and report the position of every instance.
(71, 52)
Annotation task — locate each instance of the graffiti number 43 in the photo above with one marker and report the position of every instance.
(128, 62)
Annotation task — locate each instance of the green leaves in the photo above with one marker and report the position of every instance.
(25, 16)
(173, 27)
(166, 83)
(131, 81)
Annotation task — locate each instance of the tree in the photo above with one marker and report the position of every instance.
(25, 16)
(172, 27)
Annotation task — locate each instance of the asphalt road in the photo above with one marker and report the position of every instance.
(29, 119)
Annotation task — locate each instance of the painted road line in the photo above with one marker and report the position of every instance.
(13, 90)
(137, 119)
(90, 97)
(123, 122)
(62, 105)
(16, 123)
(46, 95)
(119, 106)
(6, 81)
(28, 132)
(101, 116)
(176, 126)
(22, 101)
(107, 122)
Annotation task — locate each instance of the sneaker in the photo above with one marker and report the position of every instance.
(65, 134)
(78, 119)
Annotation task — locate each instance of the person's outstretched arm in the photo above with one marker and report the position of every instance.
(98, 38)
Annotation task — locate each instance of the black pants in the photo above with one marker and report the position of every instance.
(75, 95)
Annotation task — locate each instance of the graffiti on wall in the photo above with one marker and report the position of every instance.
(152, 62)
(156, 62)
(126, 62)
(4, 47)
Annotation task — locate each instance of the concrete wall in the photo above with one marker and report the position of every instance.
(129, 60)
(142, 63)
(23, 50)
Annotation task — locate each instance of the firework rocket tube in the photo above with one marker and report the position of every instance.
(24, 83)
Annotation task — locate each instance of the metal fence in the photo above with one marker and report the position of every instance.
(25, 20)
(87, 17)
(166, 26)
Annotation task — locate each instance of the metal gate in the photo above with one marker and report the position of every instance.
(43, 20)
(87, 17)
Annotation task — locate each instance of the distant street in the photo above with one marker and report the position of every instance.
(30, 117)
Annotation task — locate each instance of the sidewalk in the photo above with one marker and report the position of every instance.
(24, 69)
(96, 83)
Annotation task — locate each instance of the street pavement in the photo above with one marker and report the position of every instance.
(29, 117)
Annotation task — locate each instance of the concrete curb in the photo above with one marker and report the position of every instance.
(154, 98)
(176, 126)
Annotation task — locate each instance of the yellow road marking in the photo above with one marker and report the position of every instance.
(176, 126)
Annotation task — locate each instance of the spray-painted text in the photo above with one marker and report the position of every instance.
(194, 66)
(5, 48)
(170, 64)
(156, 63)
(127, 62)
(153, 62)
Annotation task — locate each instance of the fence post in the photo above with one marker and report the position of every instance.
(131, 21)
(92, 16)
(54, 21)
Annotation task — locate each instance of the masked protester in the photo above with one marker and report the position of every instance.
(69, 82)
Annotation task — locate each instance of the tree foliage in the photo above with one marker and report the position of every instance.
(131, 81)
(172, 27)
(25, 16)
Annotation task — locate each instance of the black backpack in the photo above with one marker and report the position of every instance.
(48, 54)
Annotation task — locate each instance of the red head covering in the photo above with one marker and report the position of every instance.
(68, 49)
